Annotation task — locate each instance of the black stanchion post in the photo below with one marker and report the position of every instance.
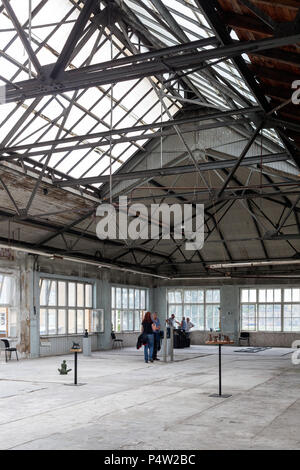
(219, 395)
(75, 368)
(220, 370)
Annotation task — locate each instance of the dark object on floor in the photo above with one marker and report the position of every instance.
(244, 336)
(180, 339)
(117, 342)
(252, 350)
(9, 350)
(64, 369)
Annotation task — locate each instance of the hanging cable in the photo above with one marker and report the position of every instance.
(161, 120)
(111, 115)
(30, 35)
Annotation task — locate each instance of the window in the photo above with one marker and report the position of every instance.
(202, 306)
(270, 309)
(8, 310)
(66, 308)
(128, 305)
(291, 310)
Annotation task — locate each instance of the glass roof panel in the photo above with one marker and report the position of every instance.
(126, 104)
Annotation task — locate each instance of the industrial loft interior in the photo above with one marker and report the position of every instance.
(127, 114)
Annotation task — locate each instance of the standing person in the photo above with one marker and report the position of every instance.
(189, 325)
(171, 321)
(156, 322)
(183, 324)
(148, 328)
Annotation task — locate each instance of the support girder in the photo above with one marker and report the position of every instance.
(164, 61)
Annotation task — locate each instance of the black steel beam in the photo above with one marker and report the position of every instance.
(259, 13)
(176, 170)
(212, 12)
(22, 35)
(239, 161)
(56, 229)
(134, 138)
(96, 75)
(126, 130)
(73, 38)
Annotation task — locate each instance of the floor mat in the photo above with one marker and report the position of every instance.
(252, 350)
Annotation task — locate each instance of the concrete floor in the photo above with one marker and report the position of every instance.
(129, 405)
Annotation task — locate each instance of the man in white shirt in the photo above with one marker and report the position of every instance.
(189, 325)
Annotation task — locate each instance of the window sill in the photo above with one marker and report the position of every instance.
(71, 335)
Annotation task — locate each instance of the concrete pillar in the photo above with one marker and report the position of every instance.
(230, 311)
(28, 319)
(103, 300)
(159, 302)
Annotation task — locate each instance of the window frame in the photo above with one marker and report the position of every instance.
(117, 313)
(205, 303)
(259, 303)
(67, 308)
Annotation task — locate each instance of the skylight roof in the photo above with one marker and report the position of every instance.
(97, 109)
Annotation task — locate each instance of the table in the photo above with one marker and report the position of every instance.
(220, 344)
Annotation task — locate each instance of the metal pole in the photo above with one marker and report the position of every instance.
(219, 395)
(220, 370)
(172, 343)
(75, 369)
(165, 345)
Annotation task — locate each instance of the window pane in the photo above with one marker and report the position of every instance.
(131, 298)
(113, 297)
(188, 296)
(51, 321)
(87, 320)
(287, 295)
(197, 316)
(48, 292)
(118, 321)
(61, 294)
(43, 330)
(130, 321)
(171, 297)
(80, 295)
(244, 296)
(296, 295)
(7, 290)
(137, 299)
(71, 321)
(252, 295)
(262, 295)
(143, 299)
(213, 296)
(270, 295)
(212, 317)
(137, 320)
(124, 298)
(80, 321)
(3, 322)
(277, 295)
(248, 318)
(178, 296)
(125, 325)
(88, 295)
(118, 297)
(176, 310)
(72, 294)
(62, 322)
